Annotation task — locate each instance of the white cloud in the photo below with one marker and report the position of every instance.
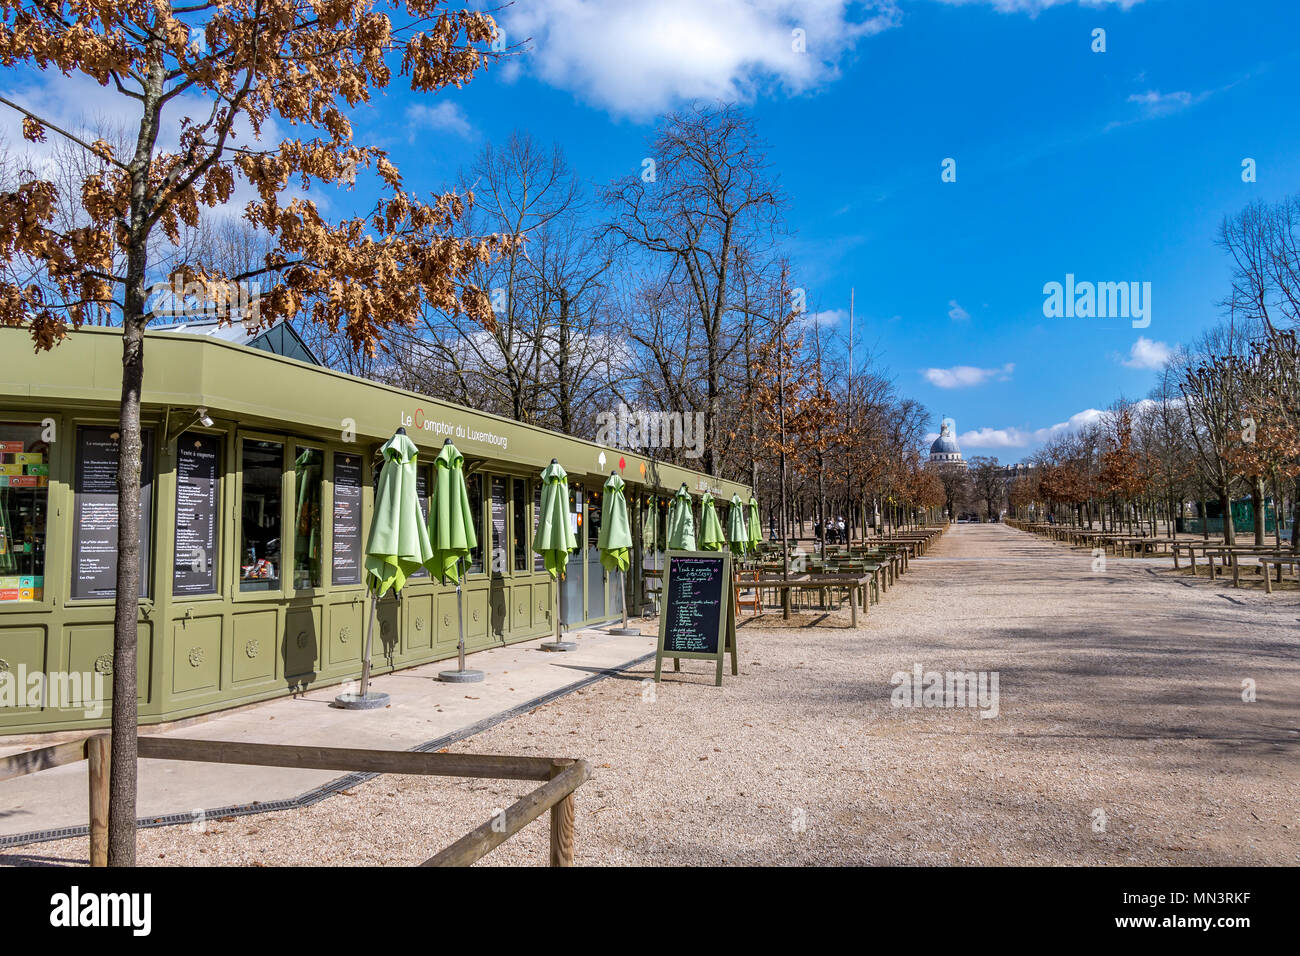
(1148, 354)
(964, 376)
(445, 116)
(826, 318)
(637, 60)
(1012, 437)
(956, 312)
(1155, 103)
(1035, 7)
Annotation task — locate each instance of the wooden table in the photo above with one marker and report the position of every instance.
(852, 584)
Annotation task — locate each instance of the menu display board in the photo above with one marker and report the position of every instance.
(198, 466)
(422, 492)
(539, 562)
(347, 520)
(698, 620)
(499, 506)
(94, 523)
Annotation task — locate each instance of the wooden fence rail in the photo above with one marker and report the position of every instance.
(562, 775)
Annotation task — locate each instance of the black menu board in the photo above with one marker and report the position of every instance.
(697, 619)
(197, 470)
(539, 562)
(422, 492)
(347, 519)
(499, 508)
(94, 522)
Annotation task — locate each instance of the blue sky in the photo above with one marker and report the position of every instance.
(1111, 166)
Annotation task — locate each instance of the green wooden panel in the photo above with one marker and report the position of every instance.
(253, 648)
(300, 643)
(347, 633)
(419, 623)
(196, 654)
(22, 647)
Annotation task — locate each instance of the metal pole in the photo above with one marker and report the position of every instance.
(370, 633)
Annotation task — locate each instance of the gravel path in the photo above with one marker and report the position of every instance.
(1121, 738)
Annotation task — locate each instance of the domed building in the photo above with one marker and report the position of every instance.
(945, 453)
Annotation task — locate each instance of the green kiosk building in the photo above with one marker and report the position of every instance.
(257, 491)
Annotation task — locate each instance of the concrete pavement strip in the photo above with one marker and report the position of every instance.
(425, 715)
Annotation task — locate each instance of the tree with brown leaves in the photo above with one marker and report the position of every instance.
(222, 74)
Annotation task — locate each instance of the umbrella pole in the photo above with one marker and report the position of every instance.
(622, 594)
(370, 634)
(460, 676)
(365, 700)
(558, 645)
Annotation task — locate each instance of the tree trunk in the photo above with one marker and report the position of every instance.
(1295, 518)
(122, 767)
(1257, 501)
(1225, 502)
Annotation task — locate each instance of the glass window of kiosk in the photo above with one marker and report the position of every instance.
(24, 505)
(595, 570)
(475, 485)
(262, 467)
(308, 479)
(519, 524)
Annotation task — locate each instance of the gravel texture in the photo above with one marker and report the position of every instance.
(1122, 738)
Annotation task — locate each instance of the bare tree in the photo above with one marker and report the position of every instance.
(707, 194)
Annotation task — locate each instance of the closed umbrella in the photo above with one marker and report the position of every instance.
(681, 522)
(755, 526)
(398, 545)
(711, 538)
(737, 530)
(452, 537)
(615, 541)
(554, 538)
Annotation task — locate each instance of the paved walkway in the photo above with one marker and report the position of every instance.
(422, 709)
(1121, 737)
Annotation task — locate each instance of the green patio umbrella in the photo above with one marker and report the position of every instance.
(737, 532)
(755, 525)
(452, 538)
(397, 546)
(554, 538)
(615, 540)
(681, 522)
(711, 538)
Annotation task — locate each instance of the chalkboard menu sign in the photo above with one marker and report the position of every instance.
(94, 522)
(698, 619)
(499, 507)
(422, 492)
(197, 527)
(347, 519)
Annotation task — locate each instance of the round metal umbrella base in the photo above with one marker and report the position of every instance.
(559, 646)
(624, 631)
(460, 677)
(371, 701)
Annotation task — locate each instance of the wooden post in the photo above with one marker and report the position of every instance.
(562, 823)
(98, 749)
